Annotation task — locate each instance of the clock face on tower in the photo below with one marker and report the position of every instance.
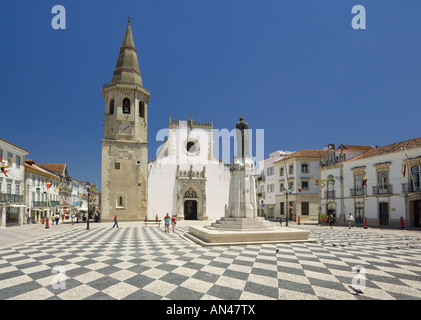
(125, 128)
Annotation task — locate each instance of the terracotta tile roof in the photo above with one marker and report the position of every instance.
(54, 167)
(305, 154)
(390, 148)
(29, 163)
(354, 147)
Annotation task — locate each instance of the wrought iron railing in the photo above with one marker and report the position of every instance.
(39, 204)
(11, 198)
(379, 190)
(357, 192)
(410, 187)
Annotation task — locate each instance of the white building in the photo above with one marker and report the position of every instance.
(268, 184)
(12, 183)
(299, 192)
(381, 184)
(185, 179)
(41, 193)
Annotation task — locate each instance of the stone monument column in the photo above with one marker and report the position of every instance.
(242, 208)
(240, 224)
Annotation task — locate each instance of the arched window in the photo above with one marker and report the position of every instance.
(126, 106)
(120, 201)
(111, 106)
(141, 109)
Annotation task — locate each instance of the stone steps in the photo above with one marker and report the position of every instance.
(258, 223)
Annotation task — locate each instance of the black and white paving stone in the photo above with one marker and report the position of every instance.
(143, 263)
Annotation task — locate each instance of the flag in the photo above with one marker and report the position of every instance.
(48, 185)
(4, 170)
(299, 189)
(404, 171)
(365, 182)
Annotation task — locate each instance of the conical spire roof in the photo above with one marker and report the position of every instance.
(127, 68)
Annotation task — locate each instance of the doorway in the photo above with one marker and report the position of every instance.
(190, 210)
(384, 213)
(417, 213)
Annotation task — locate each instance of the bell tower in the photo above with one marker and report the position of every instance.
(125, 146)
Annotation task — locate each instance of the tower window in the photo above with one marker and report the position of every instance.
(126, 106)
(120, 201)
(141, 109)
(117, 166)
(112, 106)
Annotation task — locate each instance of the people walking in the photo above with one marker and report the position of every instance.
(331, 220)
(167, 223)
(173, 223)
(57, 219)
(350, 219)
(115, 221)
(73, 218)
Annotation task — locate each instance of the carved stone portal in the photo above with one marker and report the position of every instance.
(191, 194)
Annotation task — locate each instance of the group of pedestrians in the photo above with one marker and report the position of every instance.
(169, 220)
(55, 218)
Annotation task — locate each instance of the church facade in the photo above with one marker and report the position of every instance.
(185, 179)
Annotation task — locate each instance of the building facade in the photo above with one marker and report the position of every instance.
(299, 192)
(12, 183)
(41, 193)
(268, 184)
(185, 179)
(380, 184)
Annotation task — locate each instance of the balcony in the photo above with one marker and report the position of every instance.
(357, 192)
(262, 178)
(381, 190)
(11, 198)
(330, 194)
(410, 187)
(39, 204)
(261, 194)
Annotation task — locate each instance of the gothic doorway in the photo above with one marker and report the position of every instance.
(190, 210)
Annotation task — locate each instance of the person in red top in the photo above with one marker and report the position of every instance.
(115, 221)
(173, 222)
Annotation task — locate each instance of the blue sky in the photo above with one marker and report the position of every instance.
(296, 69)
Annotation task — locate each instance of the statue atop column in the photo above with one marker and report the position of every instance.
(242, 138)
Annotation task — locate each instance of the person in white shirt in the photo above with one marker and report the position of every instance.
(350, 219)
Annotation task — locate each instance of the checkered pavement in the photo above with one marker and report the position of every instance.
(145, 263)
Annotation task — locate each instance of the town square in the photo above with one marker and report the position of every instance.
(172, 151)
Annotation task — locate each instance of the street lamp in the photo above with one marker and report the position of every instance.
(88, 189)
(287, 206)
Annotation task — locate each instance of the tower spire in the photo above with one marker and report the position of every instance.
(127, 68)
